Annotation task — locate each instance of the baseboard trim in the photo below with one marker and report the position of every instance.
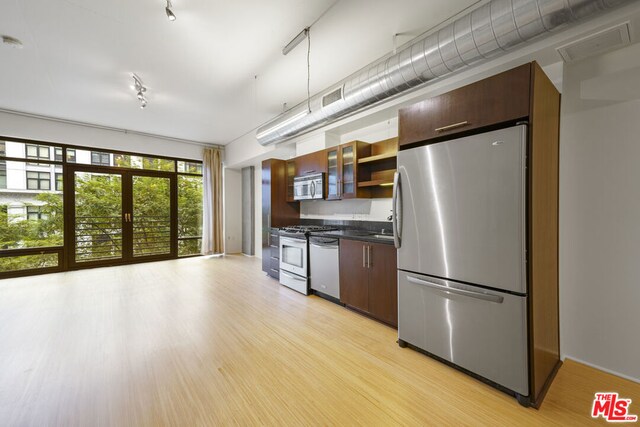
(600, 368)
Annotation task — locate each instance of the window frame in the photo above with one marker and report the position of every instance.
(59, 179)
(38, 148)
(39, 179)
(35, 210)
(100, 161)
(3, 175)
(70, 159)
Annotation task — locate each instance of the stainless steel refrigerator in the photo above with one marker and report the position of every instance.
(460, 227)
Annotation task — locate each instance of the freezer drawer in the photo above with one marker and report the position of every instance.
(462, 209)
(480, 330)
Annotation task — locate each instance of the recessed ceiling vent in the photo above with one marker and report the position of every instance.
(332, 97)
(594, 44)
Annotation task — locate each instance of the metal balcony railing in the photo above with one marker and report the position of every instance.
(101, 237)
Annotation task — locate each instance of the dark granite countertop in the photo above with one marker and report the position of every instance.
(363, 235)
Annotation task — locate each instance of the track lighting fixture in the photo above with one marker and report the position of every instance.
(140, 90)
(169, 12)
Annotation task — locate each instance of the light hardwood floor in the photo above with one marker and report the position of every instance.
(215, 342)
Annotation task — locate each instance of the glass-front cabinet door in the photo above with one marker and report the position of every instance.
(333, 174)
(348, 171)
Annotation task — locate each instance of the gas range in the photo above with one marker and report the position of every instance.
(294, 255)
(303, 231)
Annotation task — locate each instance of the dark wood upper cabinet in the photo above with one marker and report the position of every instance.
(291, 173)
(349, 154)
(310, 163)
(498, 99)
(334, 172)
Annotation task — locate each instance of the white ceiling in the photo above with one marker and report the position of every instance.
(78, 57)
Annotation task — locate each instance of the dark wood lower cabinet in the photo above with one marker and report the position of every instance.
(383, 287)
(354, 275)
(368, 279)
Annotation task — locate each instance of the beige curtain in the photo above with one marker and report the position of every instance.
(212, 239)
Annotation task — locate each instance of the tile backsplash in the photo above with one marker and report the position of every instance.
(353, 210)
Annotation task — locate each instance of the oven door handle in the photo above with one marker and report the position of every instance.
(293, 242)
(290, 276)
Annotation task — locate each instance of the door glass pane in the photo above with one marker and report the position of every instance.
(189, 214)
(332, 172)
(31, 215)
(292, 255)
(347, 170)
(28, 262)
(151, 216)
(98, 216)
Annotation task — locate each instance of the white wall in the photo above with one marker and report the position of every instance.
(232, 211)
(354, 209)
(19, 126)
(600, 212)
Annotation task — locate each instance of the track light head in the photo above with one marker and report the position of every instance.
(140, 89)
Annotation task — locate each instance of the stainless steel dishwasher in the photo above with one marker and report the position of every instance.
(324, 263)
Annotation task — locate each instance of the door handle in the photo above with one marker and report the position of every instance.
(313, 189)
(453, 126)
(397, 238)
(369, 256)
(478, 295)
(364, 257)
(290, 276)
(324, 246)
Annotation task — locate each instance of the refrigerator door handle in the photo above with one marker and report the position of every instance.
(486, 297)
(397, 197)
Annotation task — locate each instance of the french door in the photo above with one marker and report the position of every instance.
(120, 216)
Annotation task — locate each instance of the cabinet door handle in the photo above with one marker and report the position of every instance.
(369, 256)
(364, 257)
(453, 126)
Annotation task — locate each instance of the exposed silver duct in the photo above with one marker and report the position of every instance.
(486, 32)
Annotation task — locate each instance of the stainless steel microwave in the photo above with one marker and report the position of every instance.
(308, 187)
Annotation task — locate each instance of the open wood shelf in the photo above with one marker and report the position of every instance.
(374, 183)
(383, 156)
